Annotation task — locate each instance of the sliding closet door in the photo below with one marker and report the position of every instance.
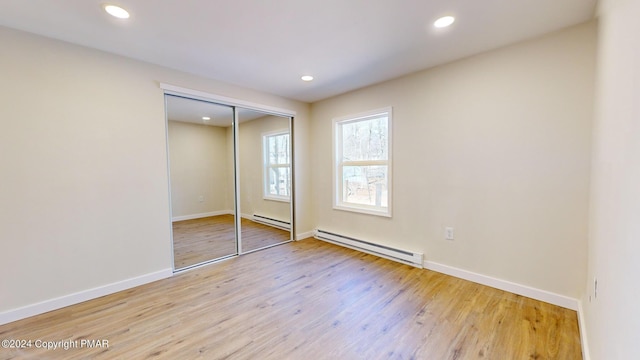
(265, 175)
(201, 163)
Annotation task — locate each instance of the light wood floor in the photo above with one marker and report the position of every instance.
(204, 239)
(307, 300)
(257, 236)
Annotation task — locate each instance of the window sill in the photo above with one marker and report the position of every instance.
(363, 210)
(279, 199)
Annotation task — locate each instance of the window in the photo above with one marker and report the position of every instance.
(277, 165)
(362, 158)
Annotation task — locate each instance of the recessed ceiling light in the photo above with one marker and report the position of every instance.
(444, 21)
(307, 78)
(116, 11)
(206, 118)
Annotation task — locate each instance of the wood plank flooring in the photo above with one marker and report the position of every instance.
(306, 300)
(257, 236)
(204, 239)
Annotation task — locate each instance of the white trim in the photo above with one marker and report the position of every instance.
(582, 325)
(272, 198)
(81, 296)
(362, 209)
(530, 292)
(306, 235)
(201, 215)
(202, 95)
(338, 203)
(266, 166)
(363, 115)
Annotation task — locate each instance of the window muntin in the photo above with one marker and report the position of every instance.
(362, 157)
(277, 166)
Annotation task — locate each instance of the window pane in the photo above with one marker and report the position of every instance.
(365, 140)
(366, 185)
(282, 149)
(271, 149)
(279, 180)
(277, 166)
(278, 148)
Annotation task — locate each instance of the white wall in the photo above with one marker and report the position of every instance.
(84, 191)
(496, 146)
(251, 169)
(198, 165)
(613, 318)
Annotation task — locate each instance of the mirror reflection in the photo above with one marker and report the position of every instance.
(201, 163)
(264, 179)
(219, 170)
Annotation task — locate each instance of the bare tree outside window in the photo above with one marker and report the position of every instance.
(363, 162)
(277, 164)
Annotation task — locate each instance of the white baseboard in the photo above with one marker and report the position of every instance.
(201, 215)
(582, 325)
(304, 235)
(542, 295)
(75, 298)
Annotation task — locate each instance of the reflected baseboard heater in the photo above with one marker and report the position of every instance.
(403, 256)
(284, 225)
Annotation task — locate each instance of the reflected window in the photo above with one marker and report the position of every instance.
(277, 165)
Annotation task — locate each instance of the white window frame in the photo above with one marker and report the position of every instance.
(266, 166)
(338, 164)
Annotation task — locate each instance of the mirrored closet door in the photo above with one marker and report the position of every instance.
(201, 162)
(231, 179)
(264, 173)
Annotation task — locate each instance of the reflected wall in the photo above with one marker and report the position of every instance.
(200, 140)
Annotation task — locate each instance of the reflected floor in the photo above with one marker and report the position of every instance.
(204, 239)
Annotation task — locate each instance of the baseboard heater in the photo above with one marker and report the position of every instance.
(403, 256)
(284, 225)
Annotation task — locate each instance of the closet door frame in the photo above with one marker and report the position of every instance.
(235, 104)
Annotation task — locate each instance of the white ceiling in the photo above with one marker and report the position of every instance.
(192, 111)
(268, 45)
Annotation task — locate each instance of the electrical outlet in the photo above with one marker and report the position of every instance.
(201, 198)
(448, 233)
